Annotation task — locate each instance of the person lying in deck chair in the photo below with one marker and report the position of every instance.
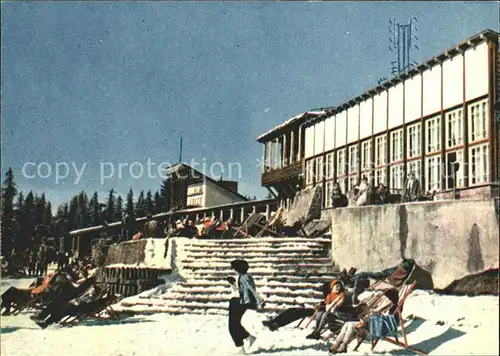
(19, 296)
(63, 290)
(93, 301)
(345, 310)
(396, 275)
(383, 323)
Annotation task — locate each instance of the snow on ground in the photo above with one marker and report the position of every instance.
(468, 326)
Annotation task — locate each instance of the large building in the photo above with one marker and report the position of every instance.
(436, 114)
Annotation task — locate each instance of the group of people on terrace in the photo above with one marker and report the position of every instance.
(363, 193)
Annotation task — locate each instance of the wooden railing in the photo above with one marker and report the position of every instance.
(283, 173)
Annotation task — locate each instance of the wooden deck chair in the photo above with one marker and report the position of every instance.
(404, 293)
(247, 225)
(271, 225)
(93, 313)
(39, 298)
(335, 304)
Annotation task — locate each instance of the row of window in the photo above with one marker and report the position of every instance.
(477, 169)
(348, 159)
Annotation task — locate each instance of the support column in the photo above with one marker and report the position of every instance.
(254, 209)
(231, 213)
(221, 215)
(442, 123)
(292, 147)
(300, 144)
(269, 155)
(284, 159)
(268, 212)
(465, 132)
(263, 159)
(242, 215)
(276, 157)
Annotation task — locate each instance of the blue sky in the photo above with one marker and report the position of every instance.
(121, 82)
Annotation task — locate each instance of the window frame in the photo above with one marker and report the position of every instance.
(433, 135)
(454, 124)
(414, 135)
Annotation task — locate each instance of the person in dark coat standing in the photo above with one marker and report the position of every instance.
(412, 190)
(244, 298)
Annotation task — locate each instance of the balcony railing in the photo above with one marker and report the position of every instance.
(282, 173)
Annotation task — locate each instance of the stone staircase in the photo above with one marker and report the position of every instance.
(287, 272)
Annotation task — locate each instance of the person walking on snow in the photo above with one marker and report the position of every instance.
(244, 297)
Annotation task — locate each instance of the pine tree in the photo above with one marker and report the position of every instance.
(94, 211)
(158, 203)
(61, 226)
(47, 220)
(39, 210)
(165, 196)
(9, 192)
(118, 209)
(149, 205)
(110, 206)
(140, 206)
(28, 222)
(18, 214)
(129, 207)
(73, 214)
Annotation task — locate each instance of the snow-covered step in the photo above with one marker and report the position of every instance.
(312, 245)
(252, 260)
(261, 239)
(231, 255)
(290, 285)
(226, 296)
(261, 273)
(277, 291)
(278, 266)
(250, 250)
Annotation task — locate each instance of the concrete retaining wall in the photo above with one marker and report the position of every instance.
(448, 239)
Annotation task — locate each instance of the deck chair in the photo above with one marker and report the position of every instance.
(96, 310)
(375, 302)
(44, 296)
(271, 226)
(38, 296)
(335, 304)
(248, 225)
(404, 293)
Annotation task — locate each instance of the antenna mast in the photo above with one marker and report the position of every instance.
(180, 152)
(403, 43)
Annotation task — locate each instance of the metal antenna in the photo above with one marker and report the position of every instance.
(402, 43)
(180, 152)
